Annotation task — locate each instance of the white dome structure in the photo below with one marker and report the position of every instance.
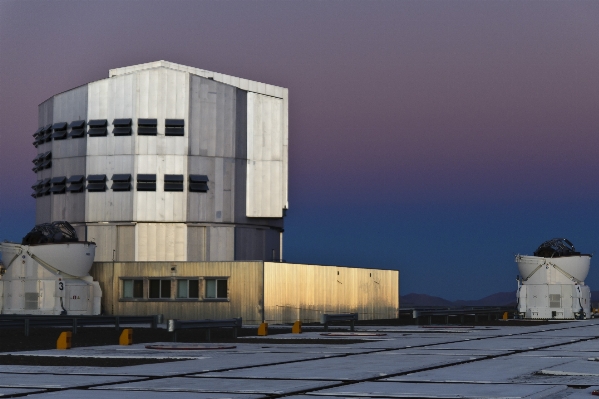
(48, 273)
(551, 283)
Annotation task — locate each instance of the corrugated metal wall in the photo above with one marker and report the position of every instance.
(304, 292)
(265, 135)
(244, 285)
(279, 292)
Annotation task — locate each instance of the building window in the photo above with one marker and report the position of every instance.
(160, 289)
(97, 128)
(146, 182)
(173, 182)
(37, 136)
(77, 129)
(188, 289)
(45, 161)
(174, 127)
(75, 184)
(121, 182)
(96, 183)
(216, 288)
(147, 127)
(46, 135)
(60, 131)
(198, 183)
(122, 127)
(133, 288)
(58, 185)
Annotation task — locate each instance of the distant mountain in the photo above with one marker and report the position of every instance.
(412, 300)
(498, 299)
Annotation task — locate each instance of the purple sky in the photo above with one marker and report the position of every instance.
(436, 137)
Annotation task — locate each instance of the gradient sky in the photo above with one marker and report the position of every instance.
(439, 138)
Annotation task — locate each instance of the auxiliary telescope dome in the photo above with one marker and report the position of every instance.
(551, 282)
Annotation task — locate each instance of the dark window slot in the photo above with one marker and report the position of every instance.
(174, 123)
(77, 129)
(77, 133)
(146, 178)
(119, 186)
(147, 122)
(47, 133)
(77, 124)
(96, 183)
(58, 189)
(122, 122)
(59, 126)
(58, 180)
(75, 188)
(59, 135)
(146, 186)
(96, 178)
(174, 127)
(174, 131)
(173, 182)
(173, 178)
(97, 123)
(147, 127)
(121, 182)
(198, 178)
(76, 179)
(121, 178)
(98, 132)
(147, 131)
(121, 131)
(198, 183)
(45, 165)
(173, 186)
(198, 187)
(97, 128)
(96, 187)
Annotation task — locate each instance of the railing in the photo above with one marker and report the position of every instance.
(475, 311)
(175, 325)
(28, 321)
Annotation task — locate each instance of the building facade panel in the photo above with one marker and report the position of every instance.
(213, 111)
(304, 292)
(265, 156)
(109, 205)
(196, 243)
(243, 296)
(70, 105)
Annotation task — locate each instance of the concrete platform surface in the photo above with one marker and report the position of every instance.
(549, 361)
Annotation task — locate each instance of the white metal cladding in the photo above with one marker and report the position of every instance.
(161, 242)
(70, 105)
(265, 197)
(215, 111)
(247, 85)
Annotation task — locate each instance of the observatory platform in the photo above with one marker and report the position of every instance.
(554, 360)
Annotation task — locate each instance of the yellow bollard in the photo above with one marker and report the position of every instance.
(263, 329)
(64, 340)
(505, 315)
(126, 337)
(297, 327)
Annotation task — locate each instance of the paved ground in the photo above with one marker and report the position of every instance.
(556, 360)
